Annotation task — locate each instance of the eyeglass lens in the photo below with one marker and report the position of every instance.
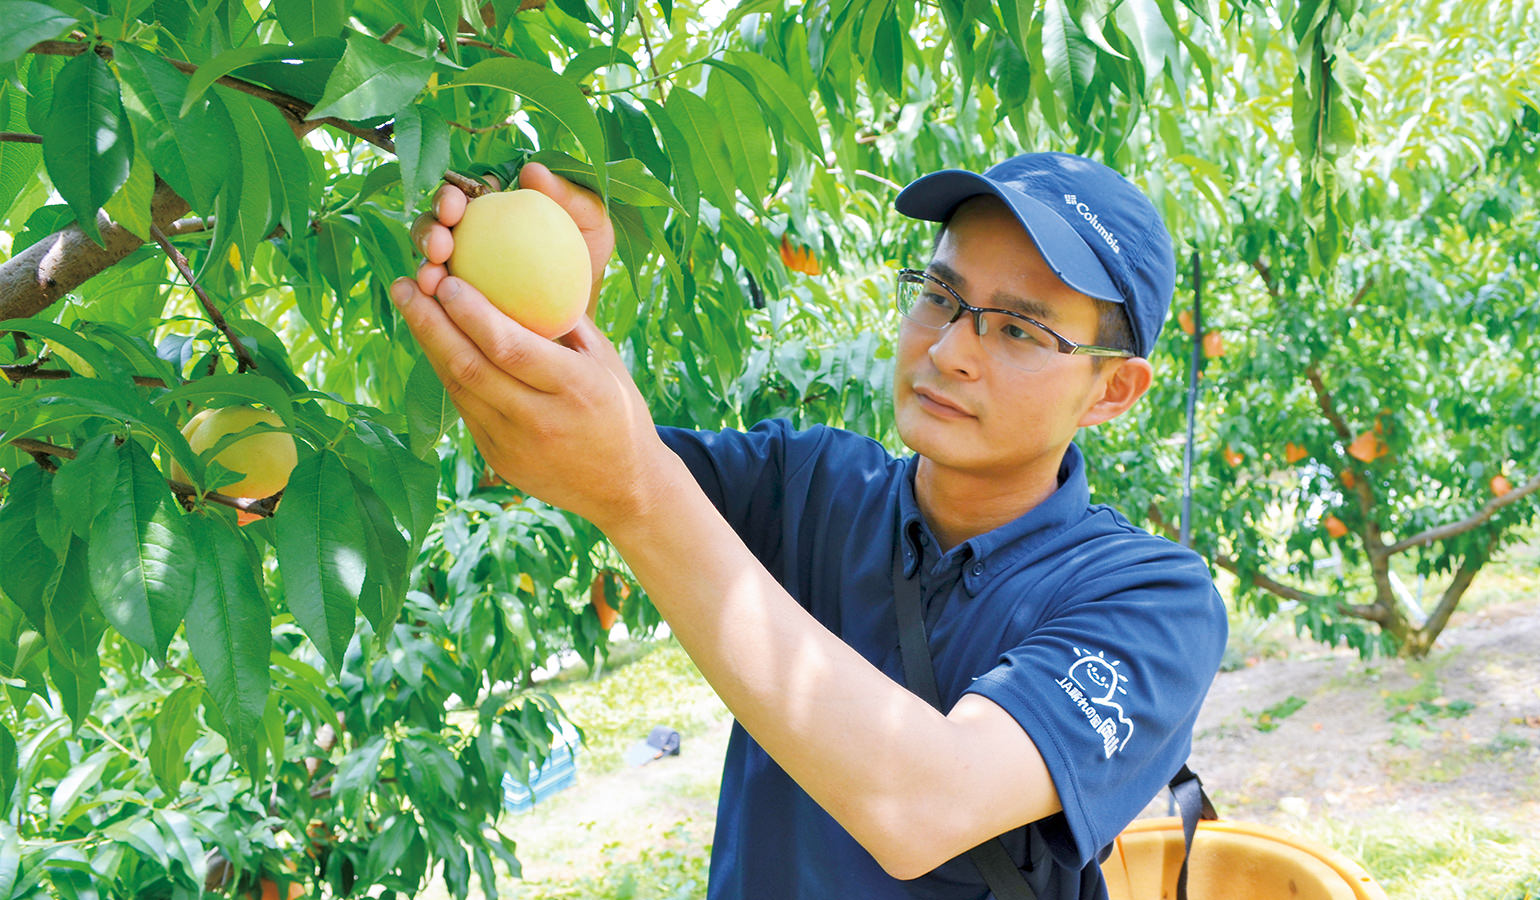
(1010, 339)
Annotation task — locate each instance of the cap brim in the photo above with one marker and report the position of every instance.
(936, 196)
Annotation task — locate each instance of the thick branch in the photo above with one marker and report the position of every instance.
(296, 108)
(244, 361)
(20, 137)
(32, 371)
(1480, 517)
(1267, 583)
(32, 280)
(1462, 581)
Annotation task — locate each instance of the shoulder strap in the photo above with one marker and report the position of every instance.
(1193, 803)
(992, 859)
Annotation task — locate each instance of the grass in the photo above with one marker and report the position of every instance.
(1443, 858)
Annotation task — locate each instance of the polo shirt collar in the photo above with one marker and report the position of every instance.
(1064, 507)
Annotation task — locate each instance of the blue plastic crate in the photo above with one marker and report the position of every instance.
(558, 773)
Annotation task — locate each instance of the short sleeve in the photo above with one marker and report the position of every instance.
(1108, 685)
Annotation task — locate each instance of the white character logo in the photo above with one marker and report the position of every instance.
(1093, 683)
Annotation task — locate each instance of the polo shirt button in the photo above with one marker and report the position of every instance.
(978, 568)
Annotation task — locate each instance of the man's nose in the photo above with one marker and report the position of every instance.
(959, 346)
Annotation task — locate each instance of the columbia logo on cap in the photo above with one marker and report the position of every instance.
(1085, 213)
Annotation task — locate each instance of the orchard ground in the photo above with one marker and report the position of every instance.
(1426, 772)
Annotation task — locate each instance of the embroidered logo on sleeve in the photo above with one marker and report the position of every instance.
(1093, 684)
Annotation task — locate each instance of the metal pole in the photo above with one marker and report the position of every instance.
(1192, 397)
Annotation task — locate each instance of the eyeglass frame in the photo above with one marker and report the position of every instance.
(1066, 346)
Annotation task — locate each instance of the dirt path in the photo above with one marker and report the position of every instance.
(1458, 733)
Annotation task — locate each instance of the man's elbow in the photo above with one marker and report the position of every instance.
(912, 850)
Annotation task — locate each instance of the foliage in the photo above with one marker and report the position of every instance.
(1388, 389)
(267, 157)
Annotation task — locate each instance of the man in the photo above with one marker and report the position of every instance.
(1072, 651)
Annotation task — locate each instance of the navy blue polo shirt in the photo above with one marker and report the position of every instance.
(1099, 638)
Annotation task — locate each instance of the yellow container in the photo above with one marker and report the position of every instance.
(1231, 861)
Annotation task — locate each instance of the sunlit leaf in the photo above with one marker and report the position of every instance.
(88, 145)
(373, 79)
(322, 552)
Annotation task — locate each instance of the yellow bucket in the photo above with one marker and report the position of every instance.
(1231, 860)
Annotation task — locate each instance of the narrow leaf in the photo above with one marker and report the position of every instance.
(384, 591)
(229, 630)
(230, 60)
(27, 565)
(305, 19)
(428, 410)
(373, 79)
(708, 149)
(553, 94)
(422, 145)
(88, 145)
(171, 735)
(26, 23)
(141, 556)
(773, 87)
(191, 149)
(321, 552)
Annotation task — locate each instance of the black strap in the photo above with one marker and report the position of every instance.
(1192, 803)
(994, 862)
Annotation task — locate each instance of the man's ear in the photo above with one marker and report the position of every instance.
(1120, 384)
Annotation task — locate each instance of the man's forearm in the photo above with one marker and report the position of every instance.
(882, 762)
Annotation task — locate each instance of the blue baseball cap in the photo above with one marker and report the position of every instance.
(1096, 230)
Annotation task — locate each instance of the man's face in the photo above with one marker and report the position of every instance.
(962, 409)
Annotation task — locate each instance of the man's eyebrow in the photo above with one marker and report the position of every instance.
(1026, 306)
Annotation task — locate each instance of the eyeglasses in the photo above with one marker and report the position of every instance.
(1010, 337)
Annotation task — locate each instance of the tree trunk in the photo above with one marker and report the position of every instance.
(33, 280)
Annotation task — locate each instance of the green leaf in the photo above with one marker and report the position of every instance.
(373, 79)
(555, 95)
(406, 482)
(78, 778)
(686, 186)
(27, 565)
(171, 735)
(26, 23)
(1070, 59)
(230, 60)
(190, 149)
(748, 143)
(305, 19)
(18, 162)
(629, 180)
(130, 206)
(288, 173)
(256, 214)
(335, 245)
(708, 149)
(141, 555)
(83, 487)
(389, 562)
(229, 629)
(428, 410)
(774, 89)
(8, 772)
(422, 145)
(88, 145)
(322, 552)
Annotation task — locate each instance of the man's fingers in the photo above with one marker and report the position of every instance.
(477, 386)
(429, 275)
(525, 356)
(580, 203)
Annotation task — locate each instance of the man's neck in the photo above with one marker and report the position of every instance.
(959, 505)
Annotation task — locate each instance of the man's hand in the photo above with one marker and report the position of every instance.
(432, 237)
(562, 421)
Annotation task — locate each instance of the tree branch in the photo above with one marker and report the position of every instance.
(34, 279)
(1264, 581)
(1480, 517)
(296, 108)
(244, 362)
(34, 372)
(257, 507)
(1462, 581)
(20, 137)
